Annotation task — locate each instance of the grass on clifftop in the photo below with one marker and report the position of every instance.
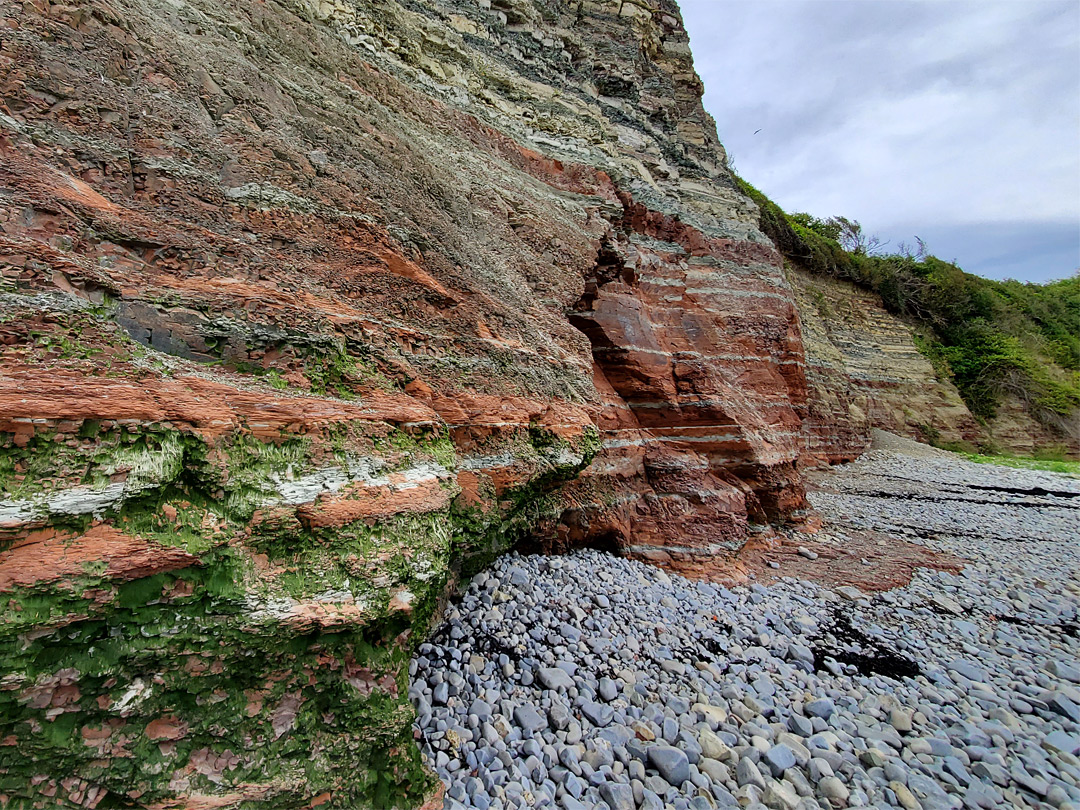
(993, 339)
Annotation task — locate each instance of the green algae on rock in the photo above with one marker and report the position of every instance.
(223, 608)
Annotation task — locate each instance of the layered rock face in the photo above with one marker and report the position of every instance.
(308, 308)
(864, 371)
(1014, 430)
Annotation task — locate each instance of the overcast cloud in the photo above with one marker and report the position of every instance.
(958, 122)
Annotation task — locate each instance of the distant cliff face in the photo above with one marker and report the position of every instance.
(864, 371)
(307, 309)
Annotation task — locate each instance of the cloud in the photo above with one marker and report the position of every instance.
(930, 115)
(1030, 251)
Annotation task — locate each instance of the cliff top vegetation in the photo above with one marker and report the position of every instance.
(992, 338)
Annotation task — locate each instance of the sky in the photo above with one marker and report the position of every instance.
(958, 122)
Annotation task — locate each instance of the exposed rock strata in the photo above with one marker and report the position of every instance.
(307, 307)
(864, 371)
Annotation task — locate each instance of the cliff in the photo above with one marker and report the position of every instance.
(308, 308)
(864, 370)
(868, 368)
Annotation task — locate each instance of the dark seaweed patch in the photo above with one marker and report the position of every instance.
(478, 641)
(1066, 628)
(872, 656)
(493, 647)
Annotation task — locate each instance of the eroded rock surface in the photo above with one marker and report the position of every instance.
(309, 307)
(864, 370)
(307, 310)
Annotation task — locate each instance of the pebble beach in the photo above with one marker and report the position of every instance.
(591, 681)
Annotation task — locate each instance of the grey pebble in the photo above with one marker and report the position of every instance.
(672, 764)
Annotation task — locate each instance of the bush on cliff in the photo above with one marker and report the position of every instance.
(992, 338)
